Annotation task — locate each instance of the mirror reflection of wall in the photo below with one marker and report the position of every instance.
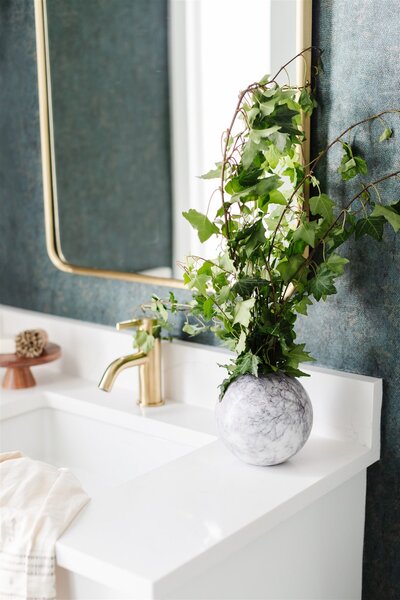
(127, 78)
(110, 95)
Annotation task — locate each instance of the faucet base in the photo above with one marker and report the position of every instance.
(150, 404)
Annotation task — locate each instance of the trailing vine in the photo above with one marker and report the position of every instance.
(278, 248)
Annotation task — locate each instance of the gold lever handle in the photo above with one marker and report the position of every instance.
(144, 323)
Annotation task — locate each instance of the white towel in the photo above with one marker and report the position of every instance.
(37, 503)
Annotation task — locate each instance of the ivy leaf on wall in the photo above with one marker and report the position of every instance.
(337, 263)
(301, 307)
(387, 134)
(351, 165)
(323, 283)
(372, 226)
(390, 213)
(205, 229)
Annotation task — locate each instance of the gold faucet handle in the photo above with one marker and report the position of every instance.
(145, 323)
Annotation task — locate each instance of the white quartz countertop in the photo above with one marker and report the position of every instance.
(156, 531)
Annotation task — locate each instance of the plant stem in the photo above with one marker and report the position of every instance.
(342, 212)
(238, 109)
(315, 162)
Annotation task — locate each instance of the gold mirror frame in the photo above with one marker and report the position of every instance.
(52, 229)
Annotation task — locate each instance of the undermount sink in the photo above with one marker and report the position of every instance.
(101, 452)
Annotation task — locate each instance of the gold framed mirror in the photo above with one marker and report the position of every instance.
(195, 36)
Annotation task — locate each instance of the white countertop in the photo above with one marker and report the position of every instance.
(148, 535)
(156, 531)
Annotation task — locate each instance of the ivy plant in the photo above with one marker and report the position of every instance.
(278, 232)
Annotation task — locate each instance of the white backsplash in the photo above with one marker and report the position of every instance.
(88, 348)
(346, 406)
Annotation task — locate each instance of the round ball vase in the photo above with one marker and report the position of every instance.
(264, 420)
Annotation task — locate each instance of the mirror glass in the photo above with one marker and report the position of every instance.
(140, 92)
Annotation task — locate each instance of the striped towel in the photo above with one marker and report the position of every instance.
(37, 503)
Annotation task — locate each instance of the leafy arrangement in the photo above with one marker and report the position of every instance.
(277, 239)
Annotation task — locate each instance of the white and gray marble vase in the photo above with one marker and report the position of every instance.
(264, 420)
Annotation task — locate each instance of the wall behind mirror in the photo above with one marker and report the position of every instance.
(140, 95)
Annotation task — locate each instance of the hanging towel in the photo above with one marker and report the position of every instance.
(37, 503)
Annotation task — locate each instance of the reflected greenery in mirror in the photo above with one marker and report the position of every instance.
(110, 105)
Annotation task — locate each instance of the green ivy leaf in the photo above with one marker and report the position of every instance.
(351, 165)
(208, 308)
(387, 134)
(262, 187)
(301, 307)
(242, 312)
(268, 184)
(322, 205)
(199, 283)
(205, 229)
(272, 156)
(279, 140)
(256, 238)
(213, 173)
(322, 284)
(289, 267)
(225, 262)
(306, 231)
(390, 213)
(297, 354)
(249, 177)
(158, 306)
(247, 362)
(264, 80)
(241, 345)
(191, 329)
(257, 135)
(246, 286)
(250, 151)
(336, 263)
(276, 197)
(372, 226)
(307, 102)
(143, 341)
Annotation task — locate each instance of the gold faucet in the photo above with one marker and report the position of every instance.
(149, 366)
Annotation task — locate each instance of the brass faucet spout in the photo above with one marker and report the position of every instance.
(118, 365)
(149, 366)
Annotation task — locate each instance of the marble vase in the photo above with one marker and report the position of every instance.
(264, 420)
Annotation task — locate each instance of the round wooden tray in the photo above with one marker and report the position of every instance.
(19, 374)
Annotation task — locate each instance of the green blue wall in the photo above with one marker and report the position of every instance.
(357, 330)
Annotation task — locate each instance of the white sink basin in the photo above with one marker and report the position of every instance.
(99, 450)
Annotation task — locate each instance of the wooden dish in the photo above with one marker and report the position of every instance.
(19, 374)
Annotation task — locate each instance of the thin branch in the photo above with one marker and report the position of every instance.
(335, 222)
(315, 162)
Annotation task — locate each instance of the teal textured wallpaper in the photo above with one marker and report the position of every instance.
(358, 330)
